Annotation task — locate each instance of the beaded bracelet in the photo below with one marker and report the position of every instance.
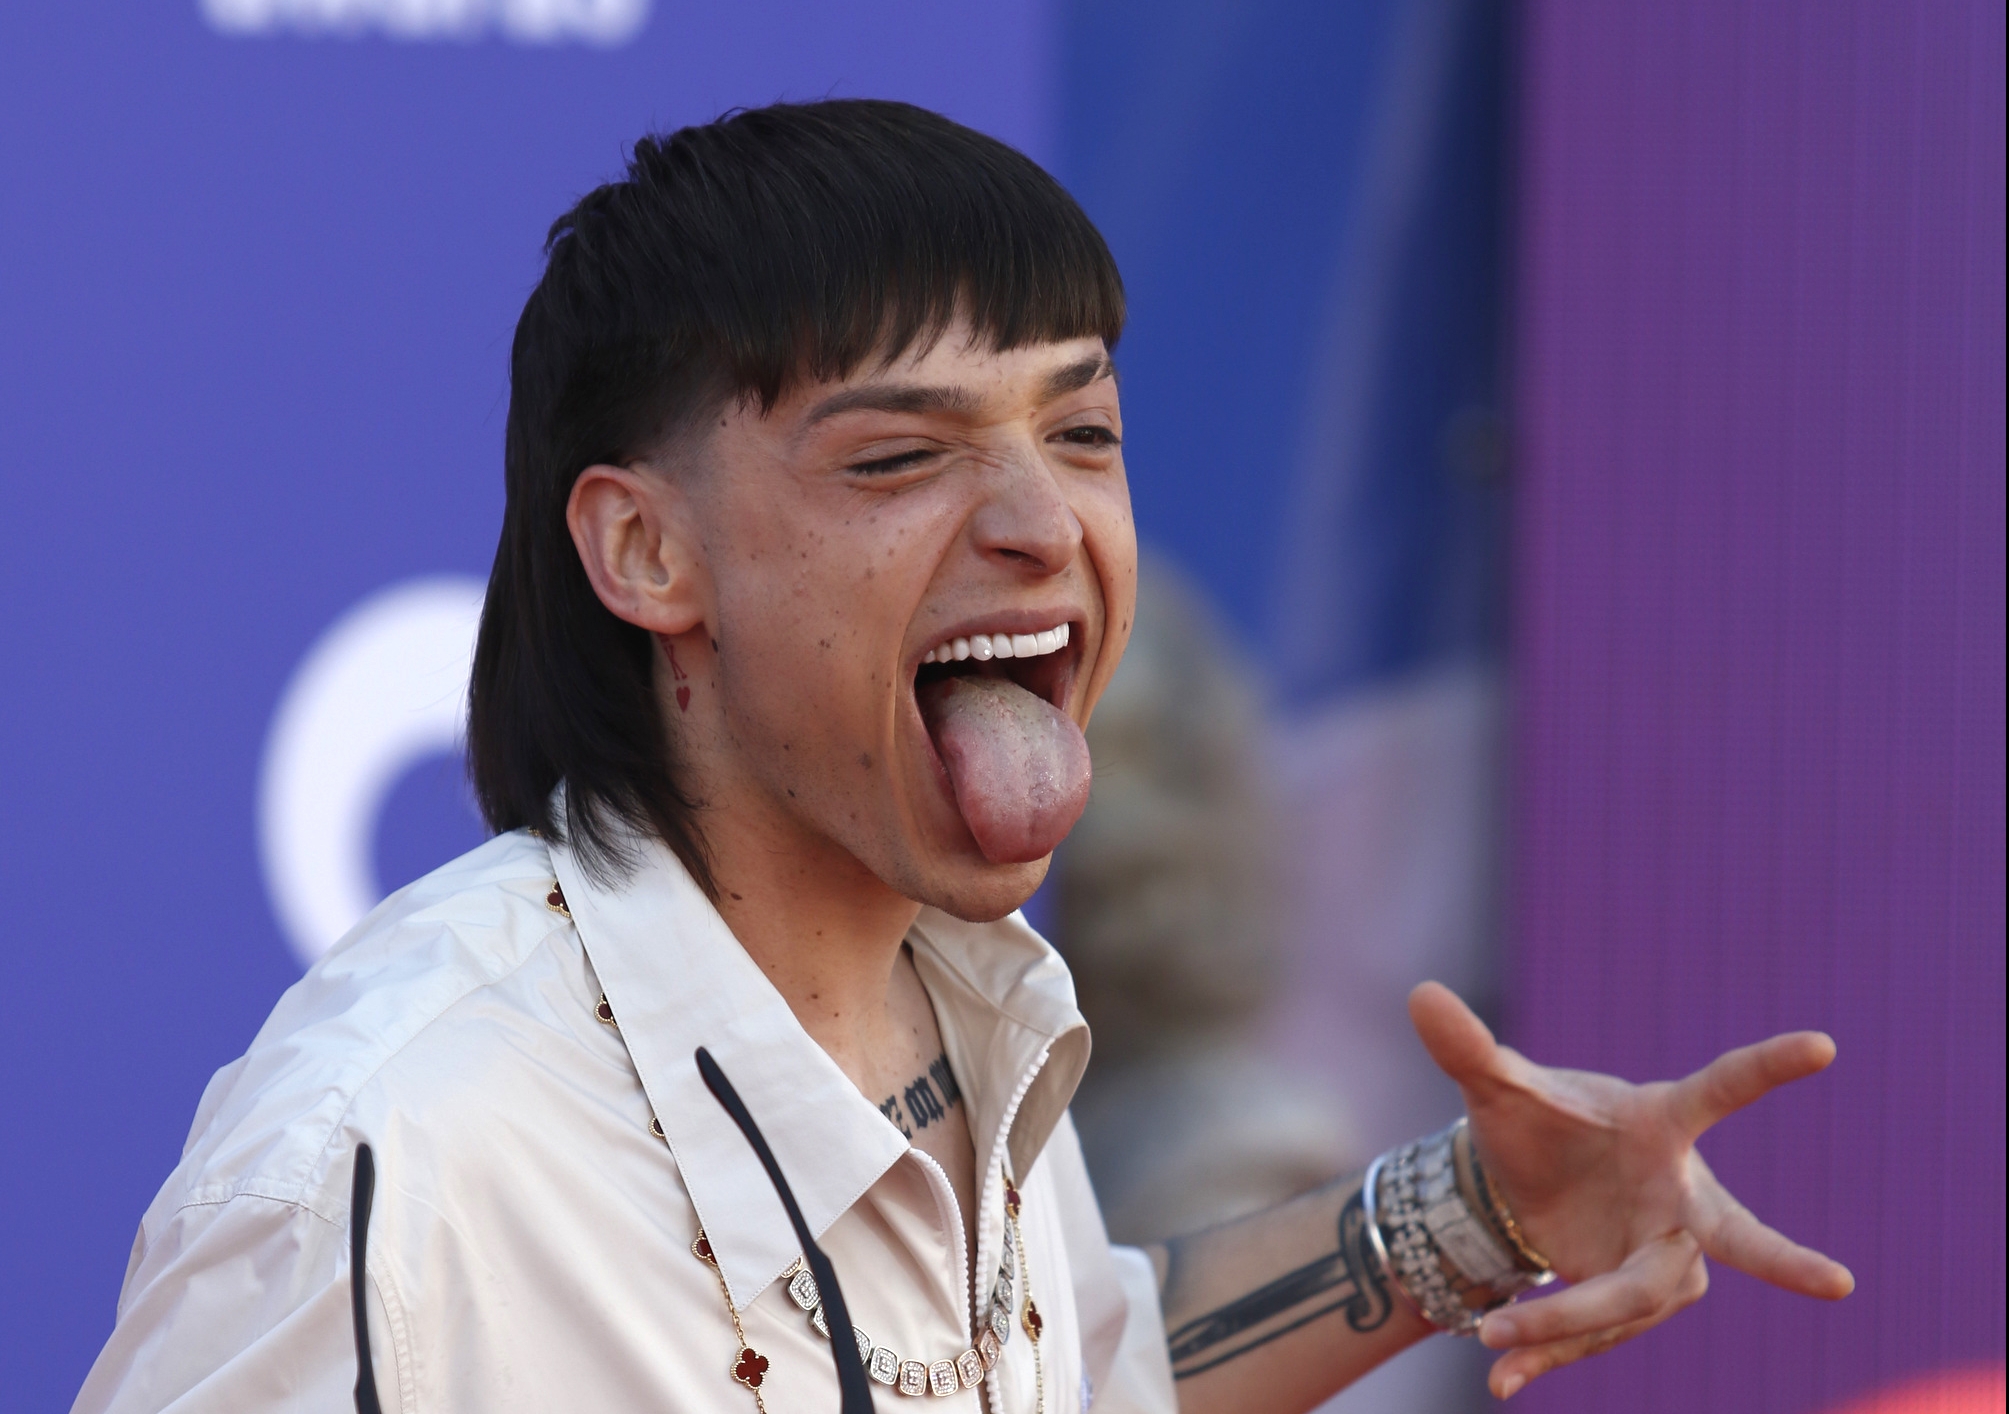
(1451, 1263)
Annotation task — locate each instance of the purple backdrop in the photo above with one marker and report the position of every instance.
(1760, 641)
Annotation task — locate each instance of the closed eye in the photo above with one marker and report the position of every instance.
(899, 461)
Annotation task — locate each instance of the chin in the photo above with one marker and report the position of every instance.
(979, 891)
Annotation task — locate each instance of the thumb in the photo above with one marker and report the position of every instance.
(1457, 1040)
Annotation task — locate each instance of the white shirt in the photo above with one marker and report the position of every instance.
(530, 1240)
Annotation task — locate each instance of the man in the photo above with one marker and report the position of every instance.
(817, 555)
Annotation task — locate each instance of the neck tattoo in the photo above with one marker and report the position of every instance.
(927, 1100)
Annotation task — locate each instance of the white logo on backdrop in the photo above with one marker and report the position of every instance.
(603, 22)
(384, 688)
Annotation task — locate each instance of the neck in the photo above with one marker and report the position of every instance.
(825, 929)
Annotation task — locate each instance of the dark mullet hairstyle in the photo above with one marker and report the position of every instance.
(774, 245)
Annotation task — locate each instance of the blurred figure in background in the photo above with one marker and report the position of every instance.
(1244, 907)
(1165, 904)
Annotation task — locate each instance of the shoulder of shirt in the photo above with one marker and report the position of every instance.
(280, 1122)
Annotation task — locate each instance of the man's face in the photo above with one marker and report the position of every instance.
(857, 527)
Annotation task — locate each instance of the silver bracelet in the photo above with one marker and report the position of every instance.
(1444, 1257)
(1370, 1187)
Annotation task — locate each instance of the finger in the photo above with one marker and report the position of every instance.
(1457, 1040)
(1737, 1239)
(1633, 1291)
(1736, 1078)
(1512, 1371)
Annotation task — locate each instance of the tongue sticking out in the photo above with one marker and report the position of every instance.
(1018, 764)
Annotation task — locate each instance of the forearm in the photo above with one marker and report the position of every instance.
(1581, 1176)
(1273, 1313)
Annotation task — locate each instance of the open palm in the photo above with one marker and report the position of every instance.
(1604, 1179)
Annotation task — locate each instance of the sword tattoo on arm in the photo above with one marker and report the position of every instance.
(1346, 1280)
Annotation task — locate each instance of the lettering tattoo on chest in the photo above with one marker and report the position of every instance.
(926, 1101)
(1346, 1280)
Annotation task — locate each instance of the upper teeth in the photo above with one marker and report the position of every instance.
(985, 646)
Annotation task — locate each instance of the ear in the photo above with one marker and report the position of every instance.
(634, 531)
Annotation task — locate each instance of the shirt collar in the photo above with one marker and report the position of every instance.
(1005, 1003)
(676, 978)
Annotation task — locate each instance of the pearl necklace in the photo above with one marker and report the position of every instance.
(940, 1378)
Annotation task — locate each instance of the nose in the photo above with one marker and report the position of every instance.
(1026, 522)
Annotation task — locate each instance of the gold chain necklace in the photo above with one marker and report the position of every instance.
(942, 1378)
(913, 1377)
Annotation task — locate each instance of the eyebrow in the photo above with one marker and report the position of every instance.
(1076, 376)
(925, 397)
(895, 397)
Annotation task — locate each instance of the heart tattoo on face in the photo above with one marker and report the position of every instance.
(677, 672)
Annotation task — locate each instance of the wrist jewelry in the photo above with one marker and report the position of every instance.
(1494, 1209)
(1447, 1259)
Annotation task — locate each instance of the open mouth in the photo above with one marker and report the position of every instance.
(1041, 663)
(995, 709)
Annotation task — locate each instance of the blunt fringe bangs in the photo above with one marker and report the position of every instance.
(778, 244)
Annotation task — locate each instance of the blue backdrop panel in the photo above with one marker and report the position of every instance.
(1307, 203)
(1221, 149)
(256, 294)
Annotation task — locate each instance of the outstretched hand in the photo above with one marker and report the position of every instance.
(1604, 1180)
